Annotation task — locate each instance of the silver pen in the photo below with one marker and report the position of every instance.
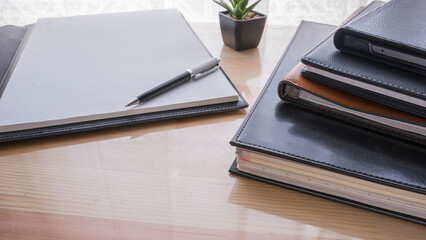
(196, 72)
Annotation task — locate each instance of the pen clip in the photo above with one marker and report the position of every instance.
(200, 75)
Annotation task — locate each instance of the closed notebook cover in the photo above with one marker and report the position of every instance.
(398, 25)
(287, 131)
(12, 41)
(352, 103)
(376, 81)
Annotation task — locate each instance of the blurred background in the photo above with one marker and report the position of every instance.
(280, 12)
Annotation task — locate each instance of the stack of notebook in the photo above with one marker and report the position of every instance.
(348, 123)
(365, 89)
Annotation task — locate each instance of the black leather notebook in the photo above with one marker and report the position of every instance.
(81, 111)
(366, 78)
(393, 33)
(283, 131)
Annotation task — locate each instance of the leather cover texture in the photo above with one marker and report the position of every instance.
(398, 25)
(281, 129)
(10, 41)
(350, 101)
(326, 57)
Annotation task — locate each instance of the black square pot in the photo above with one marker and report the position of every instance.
(241, 34)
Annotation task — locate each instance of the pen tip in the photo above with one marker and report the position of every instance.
(134, 101)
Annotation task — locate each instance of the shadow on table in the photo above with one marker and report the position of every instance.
(131, 132)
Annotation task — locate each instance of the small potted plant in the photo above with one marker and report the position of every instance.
(241, 27)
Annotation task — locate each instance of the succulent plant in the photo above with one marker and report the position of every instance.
(238, 8)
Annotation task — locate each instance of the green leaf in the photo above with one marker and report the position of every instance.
(230, 10)
(233, 3)
(249, 9)
(243, 4)
(224, 5)
(238, 13)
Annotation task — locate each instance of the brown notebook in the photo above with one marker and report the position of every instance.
(360, 111)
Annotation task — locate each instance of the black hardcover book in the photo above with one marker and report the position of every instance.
(288, 146)
(393, 33)
(366, 78)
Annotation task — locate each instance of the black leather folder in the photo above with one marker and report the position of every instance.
(12, 41)
(366, 78)
(393, 34)
(285, 131)
(11, 38)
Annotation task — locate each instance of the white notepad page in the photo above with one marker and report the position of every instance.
(83, 68)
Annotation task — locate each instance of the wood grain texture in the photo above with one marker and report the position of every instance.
(169, 179)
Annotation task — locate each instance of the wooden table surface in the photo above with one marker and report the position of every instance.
(169, 179)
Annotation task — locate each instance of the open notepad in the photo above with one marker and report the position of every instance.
(86, 68)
